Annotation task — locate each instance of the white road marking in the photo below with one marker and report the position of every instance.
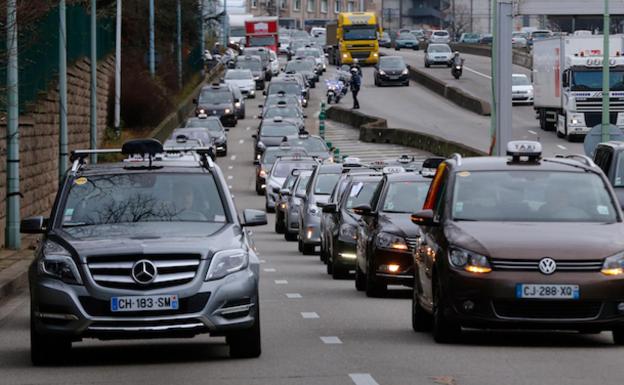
(230, 187)
(233, 157)
(331, 340)
(532, 132)
(478, 73)
(281, 282)
(262, 261)
(9, 307)
(241, 141)
(293, 295)
(270, 270)
(362, 379)
(562, 147)
(230, 167)
(230, 177)
(247, 128)
(309, 315)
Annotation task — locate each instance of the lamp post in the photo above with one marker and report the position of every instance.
(62, 90)
(94, 115)
(605, 73)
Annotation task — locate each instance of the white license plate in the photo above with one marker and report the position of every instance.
(144, 303)
(541, 291)
(394, 77)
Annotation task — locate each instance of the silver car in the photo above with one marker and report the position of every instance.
(294, 200)
(281, 169)
(438, 54)
(243, 79)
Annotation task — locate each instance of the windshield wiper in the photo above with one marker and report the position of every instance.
(465, 220)
(77, 224)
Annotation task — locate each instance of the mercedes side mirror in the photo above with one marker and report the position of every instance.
(363, 210)
(254, 136)
(256, 162)
(329, 208)
(424, 218)
(33, 225)
(253, 217)
(194, 100)
(284, 192)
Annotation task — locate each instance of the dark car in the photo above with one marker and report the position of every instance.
(268, 158)
(314, 145)
(282, 98)
(216, 130)
(406, 40)
(322, 183)
(386, 235)
(294, 199)
(144, 249)
(519, 242)
(341, 226)
(265, 57)
(271, 133)
(217, 100)
(281, 203)
(254, 64)
(391, 70)
(305, 67)
(385, 40)
(183, 136)
(284, 112)
(289, 86)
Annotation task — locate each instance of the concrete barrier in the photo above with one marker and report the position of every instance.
(374, 129)
(184, 109)
(520, 57)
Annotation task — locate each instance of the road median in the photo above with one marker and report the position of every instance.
(374, 129)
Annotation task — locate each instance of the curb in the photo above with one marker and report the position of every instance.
(374, 129)
(14, 279)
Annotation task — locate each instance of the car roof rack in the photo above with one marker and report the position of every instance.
(143, 147)
(582, 158)
(457, 157)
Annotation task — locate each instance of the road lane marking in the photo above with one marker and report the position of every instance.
(309, 315)
(478, 73)
(230, 177)
(281, 282)
(331, 340)
(270, 270)
(562, 147)
(233, 157)
(293, 295)
(533, 132)
(241, 141)
(230, 187)
(362, 379)
(230, 167)
(247, 128)
(262, 261)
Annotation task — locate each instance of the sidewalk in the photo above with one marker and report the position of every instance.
(14, 267)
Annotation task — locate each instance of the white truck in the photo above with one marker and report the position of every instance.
(567, 83)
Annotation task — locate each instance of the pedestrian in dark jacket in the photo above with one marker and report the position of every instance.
(356, 83)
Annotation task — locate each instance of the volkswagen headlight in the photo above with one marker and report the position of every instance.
(237, 105)
(390, 241)
(382, 72)
(613, 265)
(227, 110)
(405, 71)
(58, 263)
(348, 232)
(226, 262)
(202, 111)
(469, 261)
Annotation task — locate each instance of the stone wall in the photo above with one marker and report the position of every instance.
(39, 136)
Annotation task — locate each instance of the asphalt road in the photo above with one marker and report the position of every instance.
(318, 331)
(426, 111)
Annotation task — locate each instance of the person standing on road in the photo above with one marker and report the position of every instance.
(356, 83)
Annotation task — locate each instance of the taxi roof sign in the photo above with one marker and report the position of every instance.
(393, 170)
(524, 148)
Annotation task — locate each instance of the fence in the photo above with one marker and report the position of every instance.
(39, 51)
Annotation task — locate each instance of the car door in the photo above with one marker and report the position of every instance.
(368, 228)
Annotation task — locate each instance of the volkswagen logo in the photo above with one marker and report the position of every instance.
(144, 272)
(547, 266)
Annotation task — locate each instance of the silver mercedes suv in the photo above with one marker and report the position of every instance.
(146, 248)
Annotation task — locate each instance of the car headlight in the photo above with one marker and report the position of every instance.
(237, 105)
(226, 262)
(390, 241)
(313, 210)
(227, 111)
(405, 72)
(202, 111)
(348, 232)
(256, 77)
(469, 261)
(576, 119)
(345, 55)
(382, 72)
(613, 265)
(375, 54)
(58, 263)
(252, 92)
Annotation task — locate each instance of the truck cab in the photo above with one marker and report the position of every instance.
(354, 36)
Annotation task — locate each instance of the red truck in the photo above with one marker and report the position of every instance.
(262, 32)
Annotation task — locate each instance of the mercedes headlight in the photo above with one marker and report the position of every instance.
(226, 262)
(237, 105)
(202, 111)
(348, 232)
(469, 261)
(405, 71)
(58, 263)
(613, 265)
(382, 72)
(227, 111)
(390, 241)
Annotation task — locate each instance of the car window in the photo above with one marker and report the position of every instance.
(299, 65)
(392, 63)
(287, 88)
(520, 81)
(439, 48)
(302, 184)
(360, 193)
(143, 197)
(211, 124)
(284, 112)
(532, 196)
(211, 96)
(281, 130)
(310, 144)
(405, 197)
(238, 75)
(282, 169)
(201, 134)
(325, 183)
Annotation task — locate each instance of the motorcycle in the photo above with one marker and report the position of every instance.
(336, 89)
(457, 69)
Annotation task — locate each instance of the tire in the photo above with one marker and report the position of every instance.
(308, 249)
(299, 244)
(339, 272)
(246, 343)
(397, 48)
(312, 85)
(360, 279)
(290, 237)
(47, 349)
(415, 48)
(559, 134)
(444, 330)
(269, 209)
(280, 228)
(421, 320)
(618, 336)
(259, 190)
(373, 289)
(427, 65)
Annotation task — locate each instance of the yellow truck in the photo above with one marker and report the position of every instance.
(353, 36)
